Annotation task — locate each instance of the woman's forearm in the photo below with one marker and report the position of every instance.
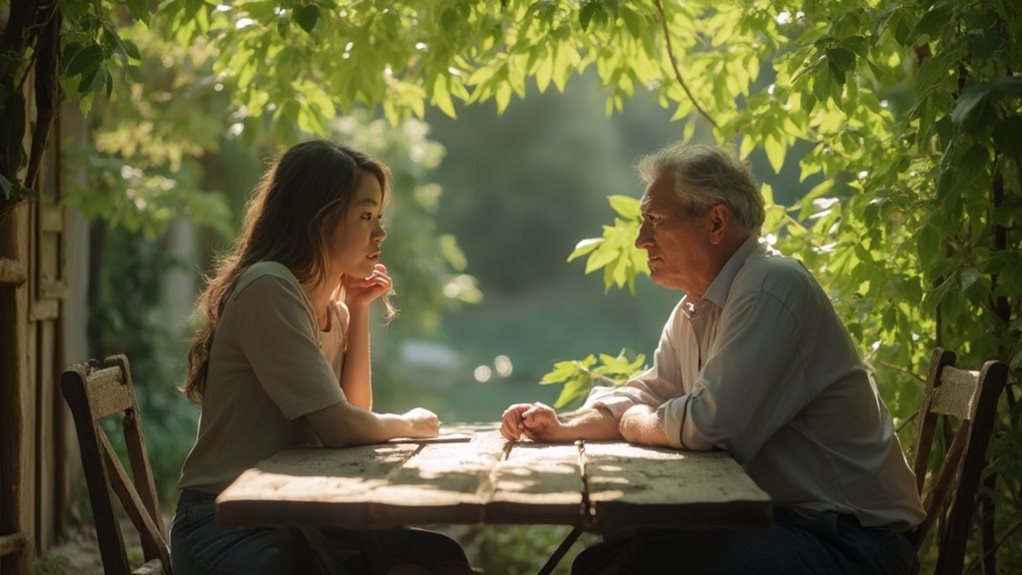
(356, 378)
(344, 425)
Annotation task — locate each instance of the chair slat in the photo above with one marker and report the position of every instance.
(936, 496)
(140, 467)
(92, 394)
(970, 397)
(956, 394)
(130, 499)
(154, 567)
(107, 393)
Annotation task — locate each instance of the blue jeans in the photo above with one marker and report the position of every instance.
(794, 545)
(198, 546)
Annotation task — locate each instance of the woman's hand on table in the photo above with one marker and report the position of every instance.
(422, 422)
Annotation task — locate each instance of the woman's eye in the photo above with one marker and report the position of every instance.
(367, 216)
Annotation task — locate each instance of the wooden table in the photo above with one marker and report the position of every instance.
(595, 486)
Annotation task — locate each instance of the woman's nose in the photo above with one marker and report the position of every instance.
(379, 234)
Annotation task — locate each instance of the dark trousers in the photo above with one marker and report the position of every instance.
(794, 545)
(198, 546)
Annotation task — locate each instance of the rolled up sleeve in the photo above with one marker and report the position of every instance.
(752, 384)
(652, 387)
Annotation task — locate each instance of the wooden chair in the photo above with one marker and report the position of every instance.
(951, 497)
(92, 394)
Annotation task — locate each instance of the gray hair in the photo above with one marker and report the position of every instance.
(706, 175)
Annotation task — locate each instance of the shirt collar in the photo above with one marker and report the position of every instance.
(721, 285)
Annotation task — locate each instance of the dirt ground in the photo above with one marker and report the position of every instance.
(77, 551)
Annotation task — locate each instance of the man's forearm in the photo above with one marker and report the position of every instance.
(641, 425)
(595, 423)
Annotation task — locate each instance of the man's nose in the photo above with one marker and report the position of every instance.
(645, 238)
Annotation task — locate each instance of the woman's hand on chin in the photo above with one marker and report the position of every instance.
(360, 292)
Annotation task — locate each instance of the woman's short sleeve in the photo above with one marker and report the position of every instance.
(277, 333)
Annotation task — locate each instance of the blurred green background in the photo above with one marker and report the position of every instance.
(485, 211)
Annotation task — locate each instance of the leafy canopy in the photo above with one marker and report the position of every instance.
(910, 112)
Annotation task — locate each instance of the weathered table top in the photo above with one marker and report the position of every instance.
(596, 485)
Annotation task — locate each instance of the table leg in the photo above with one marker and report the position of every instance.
(561, 550)
(370, 544)
(317, 541)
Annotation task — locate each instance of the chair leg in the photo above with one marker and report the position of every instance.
(294, 547)
(370, 544)
(560, 551)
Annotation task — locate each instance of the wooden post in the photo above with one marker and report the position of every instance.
(16, 402)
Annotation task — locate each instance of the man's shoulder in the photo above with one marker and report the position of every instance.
(781, 276)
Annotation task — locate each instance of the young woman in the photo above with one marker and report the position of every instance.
(283, 358)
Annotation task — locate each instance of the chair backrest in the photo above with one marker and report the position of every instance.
(970, 397)
(94, 393)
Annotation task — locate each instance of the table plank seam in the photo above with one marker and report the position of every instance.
(586, 508)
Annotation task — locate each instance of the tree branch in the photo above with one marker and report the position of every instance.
(47, 91)
(674, 64)
(1004, 537)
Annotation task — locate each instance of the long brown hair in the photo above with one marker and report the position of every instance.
(296, 205)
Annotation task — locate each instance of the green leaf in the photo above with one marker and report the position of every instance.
(968, 278)
(601, 257)
(632, 22)
(1010, 85)
(584, 247)
(775, 152)
(132, 50)
(971, 103)
(936, 70)
(139, 10)
(9, 187)
(442, 97)
(932, 22)
(625, 206)
(1016, 362)
(971, 97)
(307, 16)
(928, 243)
(974, 162)
(807, 101)
(1008, 136)
(588, 11)
(841, 58)
(449, 19)
(85, 62)
(544, 73)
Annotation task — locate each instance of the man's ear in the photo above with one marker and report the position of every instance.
(720, 220)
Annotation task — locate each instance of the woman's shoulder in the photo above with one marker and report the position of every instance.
(267, 275)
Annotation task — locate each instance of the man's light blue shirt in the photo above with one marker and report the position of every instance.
(762, 368)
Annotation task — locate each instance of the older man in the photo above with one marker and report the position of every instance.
(753, 361)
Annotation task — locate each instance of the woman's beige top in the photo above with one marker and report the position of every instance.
(269, 365)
